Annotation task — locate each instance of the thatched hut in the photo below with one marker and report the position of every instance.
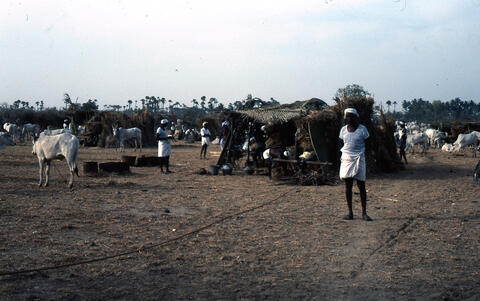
(311, 127)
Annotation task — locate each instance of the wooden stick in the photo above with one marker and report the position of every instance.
(307, 162)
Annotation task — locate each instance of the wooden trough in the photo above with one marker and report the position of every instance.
(130, 160)
(147, 161)
(118, 167)
(90, 168)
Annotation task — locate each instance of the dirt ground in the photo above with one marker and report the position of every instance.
(289, 243)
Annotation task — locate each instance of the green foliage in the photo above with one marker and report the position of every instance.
(438, 111)
(352, 90)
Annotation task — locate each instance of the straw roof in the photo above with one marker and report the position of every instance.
(284, 113)
(273, 115)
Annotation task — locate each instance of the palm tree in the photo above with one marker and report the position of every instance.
(163, 100)
(130, 104)
(394, 104)
(148, 102)
(195, 103)
(389, 103)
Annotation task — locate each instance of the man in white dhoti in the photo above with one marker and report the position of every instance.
(352, 164)
(164, 148)
(205, 133)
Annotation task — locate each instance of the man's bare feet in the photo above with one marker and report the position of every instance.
(367, 218)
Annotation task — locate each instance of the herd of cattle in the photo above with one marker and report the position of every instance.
(59, 144)
(62, 144)
(422, 135)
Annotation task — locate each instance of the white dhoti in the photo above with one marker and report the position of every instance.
(353, 166)
(164, 148)
(206, 140)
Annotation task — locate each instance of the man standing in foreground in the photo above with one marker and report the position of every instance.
(352, 164)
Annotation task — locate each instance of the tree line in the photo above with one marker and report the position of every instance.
(21, 111)
(415, 109)
(436, 111)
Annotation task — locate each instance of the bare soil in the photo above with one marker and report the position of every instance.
(289, 243)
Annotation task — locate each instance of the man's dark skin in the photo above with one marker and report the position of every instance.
(352, 124)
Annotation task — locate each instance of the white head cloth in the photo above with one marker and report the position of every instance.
(164, 121)
(350, 111)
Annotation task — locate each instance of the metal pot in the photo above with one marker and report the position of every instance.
(226, 169)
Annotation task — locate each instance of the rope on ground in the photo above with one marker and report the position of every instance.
(141, 249)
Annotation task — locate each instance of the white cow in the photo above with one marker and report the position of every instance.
(122, 135)
(417, 139)
(54, 132)
(58, 147)
(6, 140)
(30, 130)
(464, 140)
(412, 127)
(447, 147)
(13, 130)
(435, 137)
(81, 130)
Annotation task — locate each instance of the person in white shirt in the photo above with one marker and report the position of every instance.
(164, 148)
(205, 133)
(352, 165)
(225, 133)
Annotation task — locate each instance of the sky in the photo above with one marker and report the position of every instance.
(114, 51)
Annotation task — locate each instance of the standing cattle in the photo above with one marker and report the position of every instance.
(30, 130)
(417, 139)
(435, 137)
(54, 132)
(81, 130)
(122, 135)
(465, 140)
(447, 147)
(57, 147)
(6, 140)
(13, 130)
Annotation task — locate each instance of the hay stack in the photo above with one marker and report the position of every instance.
(380, 153)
